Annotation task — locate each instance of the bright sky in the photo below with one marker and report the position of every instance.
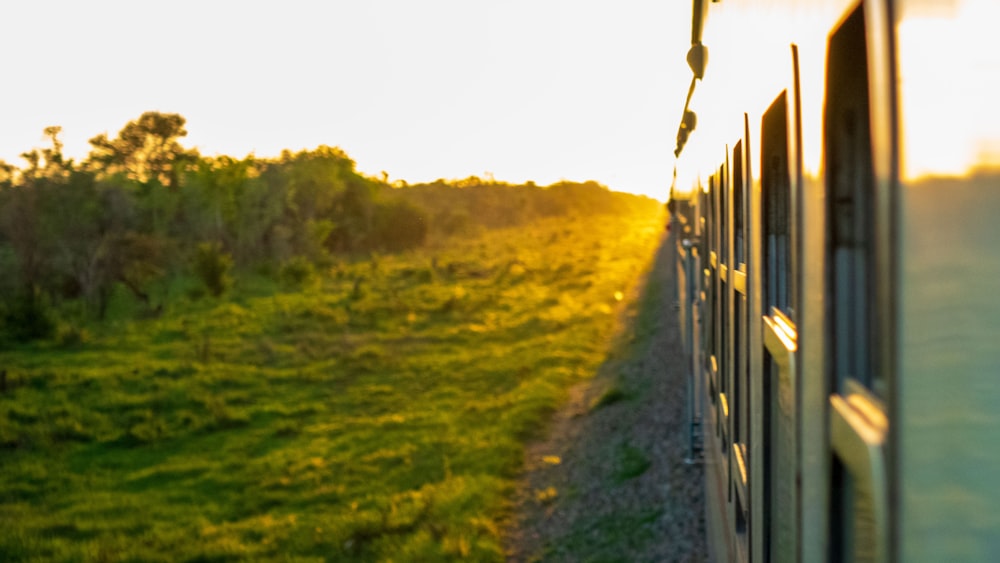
(523, 89)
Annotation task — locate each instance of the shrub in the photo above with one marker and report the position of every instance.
(297, 272)
(194, 293)
(452, 222)
(399, 225)
(70, 336)
(27, 318)
(213, 267)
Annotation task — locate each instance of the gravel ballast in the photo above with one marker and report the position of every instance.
(608, 481)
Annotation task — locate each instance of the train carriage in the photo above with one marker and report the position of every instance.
(837, 198)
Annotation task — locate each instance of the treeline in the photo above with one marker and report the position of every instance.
(141, 207)
(463, 206)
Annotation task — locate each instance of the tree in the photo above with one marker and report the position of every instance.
(92, 244)
(353, 216)
(7, 174)
(136, 259)
(314, 180)
(19, 225)
(24, 315)
(55, 164)
(320, 188)
(259, 211)
(210, 196)
(146, 150)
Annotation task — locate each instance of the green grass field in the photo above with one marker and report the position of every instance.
(376, 414)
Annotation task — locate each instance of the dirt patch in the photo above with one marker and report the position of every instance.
(609, 481)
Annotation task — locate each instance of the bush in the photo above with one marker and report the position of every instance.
(297, 272)
(213, 267)
(450, 222)
(27, 318)
(70, 336)
(399, 225)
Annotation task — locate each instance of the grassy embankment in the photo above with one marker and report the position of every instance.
(378, 414)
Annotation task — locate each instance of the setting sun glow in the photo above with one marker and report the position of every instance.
(440, 89)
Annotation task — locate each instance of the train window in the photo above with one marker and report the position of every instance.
(724, 304)
(850, 181)
(776, 199)
(713, 290)
(738, 207)
(702, 206)
(852, 321)
(724, 193)
(713, 223)
(740, 382)
(709, 324)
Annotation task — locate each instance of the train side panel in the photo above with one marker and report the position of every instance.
(847, 339)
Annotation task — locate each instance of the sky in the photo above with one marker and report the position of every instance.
(538, 90)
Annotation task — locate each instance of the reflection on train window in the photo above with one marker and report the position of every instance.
(851, 200)
(702, 206)
(740, 383)
(724, 319)
(777, 213)
(723, 216)
(740, 377)
(712, 246)
(739, 260)
(710, 279)
(713, 289)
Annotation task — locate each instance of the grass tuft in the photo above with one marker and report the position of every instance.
(632, 462)
(610, 396)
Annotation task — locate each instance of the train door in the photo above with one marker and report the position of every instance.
(858, 258)
(738, 370)
(695, 298)
(724, 316)
(711, 325)
(704, 311)
(729, 401)
(779, 379)
(689, 302)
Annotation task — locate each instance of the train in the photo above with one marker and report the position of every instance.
(835, 208)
